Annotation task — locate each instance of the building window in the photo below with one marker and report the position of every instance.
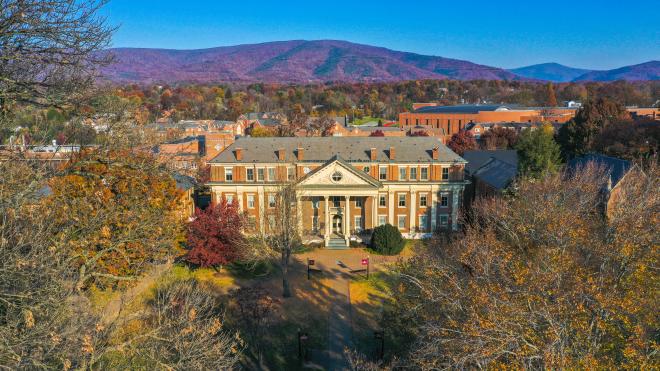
(315, 203)
(336, 201)
(402, 173)
(382, 200)
(422, 201)
(250, 201)
(271, 201)
(382, 219)
(444, 200)
(252, 222)
(445, 173)
(424, 173)
(402, 221)
(382, 173)
(271, 174)
(315, 223)
(229, 174)
(402, 200)
(423, 223)
(290, 173)
(260, 175)
(413, 173)
(336, 176)
(444, 220)
(358, 202)
(229, 198)
(249, 175)
(366, 169)
(358, 224)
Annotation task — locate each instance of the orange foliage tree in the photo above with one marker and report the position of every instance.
(115, 213)
(540, 279)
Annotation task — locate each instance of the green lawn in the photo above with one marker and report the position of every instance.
(366, 119)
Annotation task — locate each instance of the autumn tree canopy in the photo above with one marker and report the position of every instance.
(462, 141)
(540, 279)
(115, 213)
(215, 236)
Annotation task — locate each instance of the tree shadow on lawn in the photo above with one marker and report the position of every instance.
(307, 310)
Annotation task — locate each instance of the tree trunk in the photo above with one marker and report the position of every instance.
(286, 290)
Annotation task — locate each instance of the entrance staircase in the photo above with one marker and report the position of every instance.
(337, 243)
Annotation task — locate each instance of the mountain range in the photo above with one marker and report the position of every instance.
(301, 61)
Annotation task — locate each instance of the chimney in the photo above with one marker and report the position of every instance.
(300, 153)
(436, 151)
(392, 153)
(239, 154)
(280, 154)
(372, 154)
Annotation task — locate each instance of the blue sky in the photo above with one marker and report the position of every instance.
(587, 34)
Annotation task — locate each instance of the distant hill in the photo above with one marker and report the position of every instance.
(296, 61)
(550, 71)
(639, 72)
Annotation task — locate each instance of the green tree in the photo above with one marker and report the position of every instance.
(576, 137)
(387, 239)
(538, 152)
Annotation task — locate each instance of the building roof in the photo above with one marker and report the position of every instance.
(477, 159)
(467, 108)
(498, 174)
(351, 149)
(616, 167)
(184, 182)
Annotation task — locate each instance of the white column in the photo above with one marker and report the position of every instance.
(262, 208)
(327, 219)
(390, 207)
(374, 211)
(413, 211)
(299, 214)
(455, 194)
(239, 197)
(347, 219)
(434, 209)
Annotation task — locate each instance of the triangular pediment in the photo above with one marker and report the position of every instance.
(338, 173)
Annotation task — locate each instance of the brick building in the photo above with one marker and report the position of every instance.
(346, 185)
(452, 119)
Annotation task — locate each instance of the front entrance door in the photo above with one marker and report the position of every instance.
(336, 224)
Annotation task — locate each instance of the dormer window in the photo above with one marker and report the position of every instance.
(337, 176)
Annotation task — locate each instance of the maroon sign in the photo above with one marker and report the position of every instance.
(310, 261)
(365, 261)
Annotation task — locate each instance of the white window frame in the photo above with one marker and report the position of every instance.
(261, 174)
(412, 173)
(423, 223)
(358, 202)
(398, 221)
(423, 197)
(445, 202)
(249, 171)
(382, 197)
(290, 173)
(446, 220)
(399, 199)
(250, 201)
(271, 171)
(271, 200)
(229, 174)
(358, 223)
(382, 220)
(229, 198)
(424, 173)
(381, 175)
(403, 171)
(444, 171)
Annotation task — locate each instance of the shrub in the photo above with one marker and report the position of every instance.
(387, 239)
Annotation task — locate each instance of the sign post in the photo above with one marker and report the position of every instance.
(365, 261)
(310, 262)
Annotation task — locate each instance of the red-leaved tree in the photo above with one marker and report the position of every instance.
(377, 133)
(461, 142)
(215, 235)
